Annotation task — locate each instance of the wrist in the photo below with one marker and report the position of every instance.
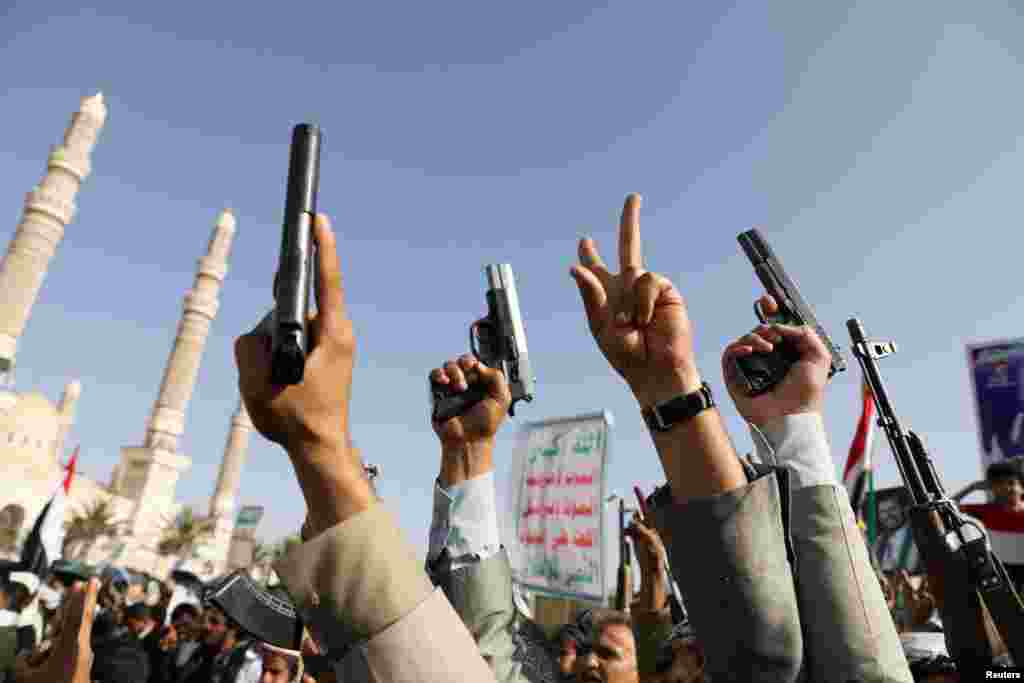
(653, 600)
(674, 383)
(333, 484)
(465, 461)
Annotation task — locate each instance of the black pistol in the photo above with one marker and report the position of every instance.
(762, 371)
(498, 341)
(296, 271)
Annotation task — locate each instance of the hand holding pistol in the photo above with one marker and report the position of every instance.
(498, 341)
(761, 371)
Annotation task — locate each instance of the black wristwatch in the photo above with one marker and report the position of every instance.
(663, 416)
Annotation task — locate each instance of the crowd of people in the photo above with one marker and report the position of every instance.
(777, 582)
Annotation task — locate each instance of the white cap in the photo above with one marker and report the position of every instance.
(26, 579)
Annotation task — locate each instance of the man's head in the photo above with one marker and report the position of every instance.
(1006, 482)
(219, 629)
(113, 590)
(610, 655)
(139, 619)
(277, 667)
(891, 515)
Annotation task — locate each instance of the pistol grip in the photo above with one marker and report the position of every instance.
(760, 372)
(448, 404)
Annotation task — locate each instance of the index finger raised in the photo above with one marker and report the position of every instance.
(330, 293)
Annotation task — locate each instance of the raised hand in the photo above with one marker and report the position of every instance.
(70, 658)
(919, 602)
(467, 440)
(316, 410)
(650, 553)
(310, 419)
(802, 390)
(637, 317)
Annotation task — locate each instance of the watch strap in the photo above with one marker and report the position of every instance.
(663, 416)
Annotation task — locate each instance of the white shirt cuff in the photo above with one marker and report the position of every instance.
(465, 521)
(799, 443)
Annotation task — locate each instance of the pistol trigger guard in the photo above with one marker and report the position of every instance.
(473, 340)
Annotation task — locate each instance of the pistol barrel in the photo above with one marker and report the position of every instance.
(297, 267)
(501, 284)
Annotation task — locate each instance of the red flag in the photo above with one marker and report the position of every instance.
(70, 469)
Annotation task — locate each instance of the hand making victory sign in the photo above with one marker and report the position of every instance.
(637, 317)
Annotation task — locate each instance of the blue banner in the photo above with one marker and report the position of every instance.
(997, 376)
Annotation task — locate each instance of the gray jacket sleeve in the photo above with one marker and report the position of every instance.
(848, 633)
(481, 594)
(728, 555)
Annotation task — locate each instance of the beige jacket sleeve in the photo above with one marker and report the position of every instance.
(360, 585)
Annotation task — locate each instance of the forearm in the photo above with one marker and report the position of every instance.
(697, 455)
(699, 459)
(461, 463)
(800, 444)
(651, 628)
(465, 516)
(848, 631)
(334, 486)
(728, 554)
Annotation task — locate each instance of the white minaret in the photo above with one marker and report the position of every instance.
(150, 473)
(49, 207)
(222, 505)
(66, 415)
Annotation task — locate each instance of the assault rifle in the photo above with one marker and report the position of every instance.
(970, 581)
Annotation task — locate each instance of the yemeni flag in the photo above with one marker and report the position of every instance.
(857, 475)
(1005, 530)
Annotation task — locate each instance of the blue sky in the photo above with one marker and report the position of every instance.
(878, 145)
